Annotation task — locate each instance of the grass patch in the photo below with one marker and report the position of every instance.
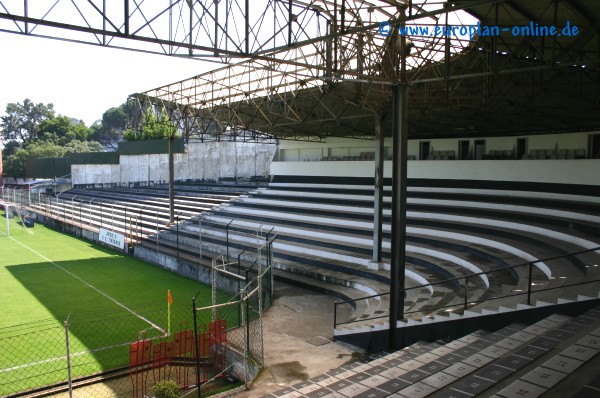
(110, 299)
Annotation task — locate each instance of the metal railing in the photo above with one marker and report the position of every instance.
(465, 301)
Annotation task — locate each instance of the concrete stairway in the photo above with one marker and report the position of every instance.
(555, 355)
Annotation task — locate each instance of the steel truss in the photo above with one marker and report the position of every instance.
(325, 36)
(492, 84)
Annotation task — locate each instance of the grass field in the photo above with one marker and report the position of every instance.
(46, 276)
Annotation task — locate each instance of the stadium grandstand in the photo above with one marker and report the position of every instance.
(433, 165)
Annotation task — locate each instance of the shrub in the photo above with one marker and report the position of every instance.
(166, 389)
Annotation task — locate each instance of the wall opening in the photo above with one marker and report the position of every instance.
(479, 149)
(424, 147)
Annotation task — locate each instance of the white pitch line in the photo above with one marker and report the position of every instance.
(76, 354)
(149, 322)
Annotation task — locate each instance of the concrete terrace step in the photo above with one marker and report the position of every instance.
(515, 360)
(500, 194)
(585, 212)
(478, 312)
(516, 229)
(299, 206)
(350, 243)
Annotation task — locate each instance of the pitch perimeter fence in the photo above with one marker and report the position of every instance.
(218, 345)
(87, 351)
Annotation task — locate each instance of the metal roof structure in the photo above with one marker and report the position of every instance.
(305, 69)
(472, 67)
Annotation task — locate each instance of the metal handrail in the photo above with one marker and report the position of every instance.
(466, 278)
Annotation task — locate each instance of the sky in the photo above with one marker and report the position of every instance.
(81, 80)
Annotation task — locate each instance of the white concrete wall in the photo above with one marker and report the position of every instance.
(580, 171)
(208, 161)
(95, 173)
(305, 150)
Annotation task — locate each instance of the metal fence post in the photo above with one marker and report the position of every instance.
(228, 239)
(466, 290)
(73, 209)
(139, 226)
(177, 232)
(335, 305)
(195, 315)
(90, 212)
(239, 287)
(529, 282)
(246, 319)
(200, 238)
(68, 347)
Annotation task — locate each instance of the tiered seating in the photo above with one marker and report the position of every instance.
(498, 154)
(525, 360)
(137, 213)
(442, 155)
(324, 236)
(543, 154)
(328, 228)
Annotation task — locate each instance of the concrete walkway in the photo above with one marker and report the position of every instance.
(298, 332)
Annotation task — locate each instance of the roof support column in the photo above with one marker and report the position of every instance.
(378, 194)
(171, 181)
(398, 244)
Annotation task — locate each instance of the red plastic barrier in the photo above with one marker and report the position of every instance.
(183, 350)
(161, 357)
(139, 362)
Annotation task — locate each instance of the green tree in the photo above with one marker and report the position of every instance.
(77, 146)
(15, 164)
(10, 148)
(153, 127)
(21, 122)
(109, 132)
(62, 130)
(32, 131)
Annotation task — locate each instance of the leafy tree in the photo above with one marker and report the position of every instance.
(153, 127)
(33, 131)
(62, 130)
(10, 147)
(77, 146)
(21, 122)
(109, 132)
(15, 164)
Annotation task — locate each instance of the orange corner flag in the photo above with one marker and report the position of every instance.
(169, 298)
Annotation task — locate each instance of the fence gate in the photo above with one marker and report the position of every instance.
(229, 330)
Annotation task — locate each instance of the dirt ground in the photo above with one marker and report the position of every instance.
(298, 333)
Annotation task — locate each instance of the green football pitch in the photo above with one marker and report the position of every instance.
(110, 299)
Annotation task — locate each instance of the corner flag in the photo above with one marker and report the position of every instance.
(169, 301)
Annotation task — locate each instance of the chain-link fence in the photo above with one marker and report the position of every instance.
(106, 356)
(233, 327)
(86, 354)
